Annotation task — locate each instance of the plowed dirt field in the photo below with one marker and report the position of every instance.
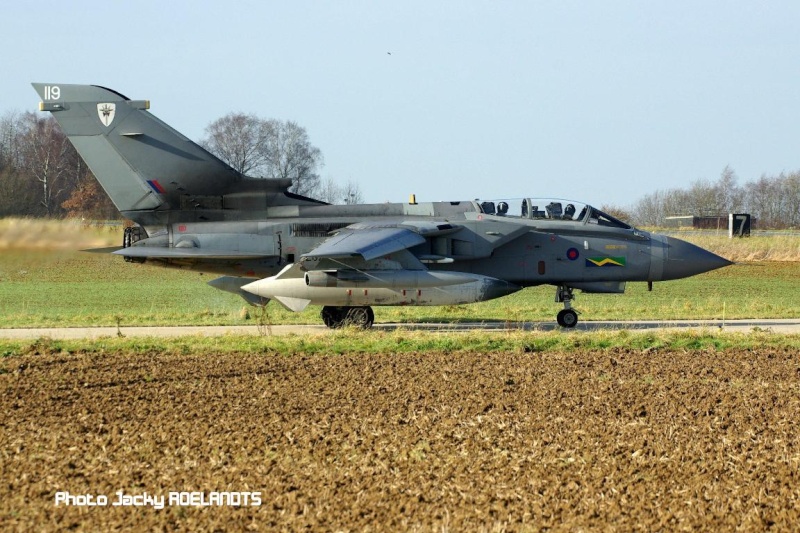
(601, 440)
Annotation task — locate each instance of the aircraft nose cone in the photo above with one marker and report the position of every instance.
(683, 259)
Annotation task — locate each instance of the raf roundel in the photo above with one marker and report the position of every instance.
(573, 254)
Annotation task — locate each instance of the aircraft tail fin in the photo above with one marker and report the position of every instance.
(141, 162)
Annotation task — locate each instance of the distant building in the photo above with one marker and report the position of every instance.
(695, 222)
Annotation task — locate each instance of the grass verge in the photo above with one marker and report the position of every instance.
(351, 341)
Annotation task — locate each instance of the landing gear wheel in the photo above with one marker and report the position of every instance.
(567, 318)
(337, 317)
(360, 317)
(333, 317)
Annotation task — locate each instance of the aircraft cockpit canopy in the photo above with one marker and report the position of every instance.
(550, 209)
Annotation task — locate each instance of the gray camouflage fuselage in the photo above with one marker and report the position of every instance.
(523, 251)
(195, 212)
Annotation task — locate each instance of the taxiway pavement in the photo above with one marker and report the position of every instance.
(742, 326)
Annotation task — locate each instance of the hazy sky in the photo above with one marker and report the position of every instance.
(595, 101)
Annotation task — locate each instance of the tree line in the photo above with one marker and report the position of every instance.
(42, 175)
(774, 201)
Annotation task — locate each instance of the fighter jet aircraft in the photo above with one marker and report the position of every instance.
(193, 211)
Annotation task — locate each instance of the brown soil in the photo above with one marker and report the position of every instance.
(536, 441)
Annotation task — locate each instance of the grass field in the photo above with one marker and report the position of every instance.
(775, 247)
(44, 281)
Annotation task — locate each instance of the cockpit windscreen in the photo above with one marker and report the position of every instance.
(550, 209)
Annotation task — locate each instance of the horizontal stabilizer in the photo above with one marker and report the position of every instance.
(158, 252)
(106, 250)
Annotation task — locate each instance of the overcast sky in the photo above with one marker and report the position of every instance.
(601, 102)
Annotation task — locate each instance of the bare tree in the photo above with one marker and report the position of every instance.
(240, 140)
(703, 198)
(333, 193)
(729, 195)
(791, 191)
(775, 201)
(328, 191)
(41, 166)
(88, 200)
(617, 212)
(290, 154)
(18, 196)
(48, 158)
(761, 200)
(266, 148)
(352, 193)
(650, 210)
(10, 125)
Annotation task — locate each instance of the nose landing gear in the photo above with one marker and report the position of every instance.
(567, 317)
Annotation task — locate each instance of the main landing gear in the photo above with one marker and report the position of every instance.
(362, 317)
(567, 317)
(339, 317)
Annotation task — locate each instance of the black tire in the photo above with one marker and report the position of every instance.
(333, 317)
(567, 318)
(359, 317)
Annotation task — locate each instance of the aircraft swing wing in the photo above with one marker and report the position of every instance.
(372, 240)
(369, 243)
